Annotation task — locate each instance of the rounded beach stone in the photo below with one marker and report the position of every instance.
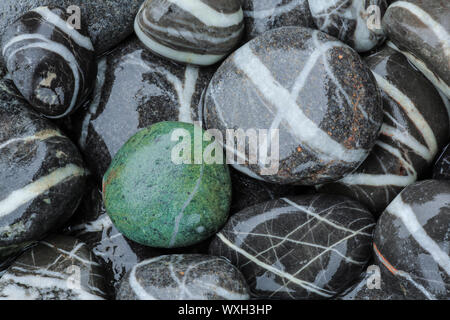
(184, 277)
(264, 15)
(305, 247)
(108, 22)
(420, 30)
(355, 22)
(59, 268)
(412, 243)
(42, 176)
(156, 200)
(415, 128)
(51, 63)
(200, 32)
(135, 89)
(312, 88)
(442, 167)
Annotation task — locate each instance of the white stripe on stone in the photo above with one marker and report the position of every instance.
(41, 136)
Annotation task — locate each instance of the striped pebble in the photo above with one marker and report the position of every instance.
(415, 128)
(313, 89)
(183, 277)
(412, 244)
(200, 32)
(306, 247)
(420, 29)
(261, 16)
(355, 22)
(51, 63)
(42, 175)
(58, 268)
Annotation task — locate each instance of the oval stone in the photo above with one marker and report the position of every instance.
(412, 244)
(308, 89)
(183, 277)
(158, 199)
(305, 247)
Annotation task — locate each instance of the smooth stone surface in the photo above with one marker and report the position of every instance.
(442, 167)
(135, 89)
(42, 175)
(306, 247)
(415, 128)
(184, 277)
(352, 21)
(412, 244)
(311, 87)
(420, 29)
(156, 202)
(264, 15)
(200, 32)
(108, 21)
(59, 268)
(52, 65)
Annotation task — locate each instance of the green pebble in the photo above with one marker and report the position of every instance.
(158, 203)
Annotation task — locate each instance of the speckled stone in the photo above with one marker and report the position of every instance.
(42, 175)
(306, 247)
(311, 87)
(51, 64)
(420, 29)
(200, 32)
(108, 21)
(184, 277)
(415, 128)
(156, 202)
(59, 268)
(248, 192)
(135, 89)
(264, 15)
(352, 21)
(412, 244)
(442, 167)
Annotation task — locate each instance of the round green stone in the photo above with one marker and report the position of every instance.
(158, 203)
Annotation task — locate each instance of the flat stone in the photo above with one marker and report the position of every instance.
(411, 241)
(264, 15)
(59, 268)
(51, 64)
(305, 247)
(159, 202)
(415, 128)
(312, 88)
(442, 167)
(355, 22)
(420, 29)
(108, 22)
(42, 175)
(135, 89)
(184, 277)
(200, 32)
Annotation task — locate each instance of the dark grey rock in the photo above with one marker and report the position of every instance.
(201, 32)
(306, 247)
(59, 268)
(355, 22)
(264, 15)
(135, 89)
(52, 65)
(311, 87)
(184, 277)
(415, 128)
(108, 21)
(42, 175)
(442, 166)
(420, 29)
(412, 241)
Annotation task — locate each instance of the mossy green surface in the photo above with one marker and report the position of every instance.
(158, 203)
